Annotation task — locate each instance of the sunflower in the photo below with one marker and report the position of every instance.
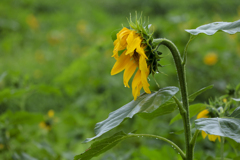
(133, 57)
(204, 114)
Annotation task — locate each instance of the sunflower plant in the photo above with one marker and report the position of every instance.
(136, 53)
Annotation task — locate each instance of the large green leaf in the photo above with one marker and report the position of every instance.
(194, 95)
(101, 146)
(166, 108)
(225, 127)
(193, 110)
(212, 28)
(144, 103)
(236, 113)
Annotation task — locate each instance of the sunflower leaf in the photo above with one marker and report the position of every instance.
(145, 103)
(236, 113)
(101, 146)
(212, 28)
(194, 95)
(166, 108)
(236, 99)
(193, 110)
(225, 127)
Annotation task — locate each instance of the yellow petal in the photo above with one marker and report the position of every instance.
(121, 63)
(144, 74)
(143, 64)
(138, 89)
(120, 43)
(140, 50)
(145, 82)
(219, 138)
(116, 48)
(123, 32)
(203, 114)
(123, 37)
(136, 84)
(204, 134)
(212, 137)
(133, 41)
(129, 70)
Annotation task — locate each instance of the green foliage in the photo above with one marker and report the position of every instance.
(236, 113)
(194, 95)
(212, 28)
(193, 110)
(56, 55)
(145, 103)
(101, 146)
(166, 108)
(236, 99)
(226, 127)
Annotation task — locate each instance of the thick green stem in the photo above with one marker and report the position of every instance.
(164, 139)
(183, 87)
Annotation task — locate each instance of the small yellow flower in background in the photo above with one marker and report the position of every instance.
(224, 100)
(1, 146)
(47, 124)
(204, 114)
(42, 125)
(32, 22)
(51, 113)
(133, 57)
(210, 59)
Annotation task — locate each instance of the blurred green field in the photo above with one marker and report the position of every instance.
(55, 81)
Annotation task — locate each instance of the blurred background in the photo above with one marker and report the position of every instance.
(55, 81)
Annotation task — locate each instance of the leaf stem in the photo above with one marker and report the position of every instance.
(180, 107)
(164, 139)
(222, 148)
(193, 141)
(185, 49)
(180, 66)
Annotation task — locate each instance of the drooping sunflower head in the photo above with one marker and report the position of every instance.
(133, 51)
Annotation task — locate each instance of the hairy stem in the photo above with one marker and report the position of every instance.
(180, 66)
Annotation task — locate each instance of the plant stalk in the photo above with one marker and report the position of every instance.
(180, 66)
